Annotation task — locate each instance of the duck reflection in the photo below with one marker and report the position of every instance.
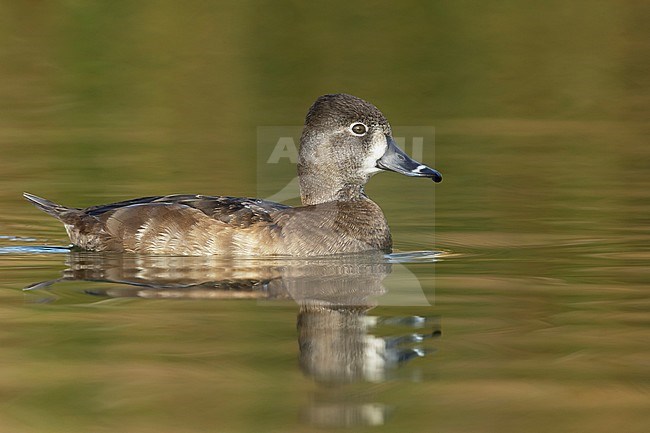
(335, 332)
(167, 277)
(338, 349)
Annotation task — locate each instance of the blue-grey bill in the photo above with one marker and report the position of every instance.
(395, 159)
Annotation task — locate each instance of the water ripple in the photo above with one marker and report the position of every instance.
(416, 257)
(36, 249)
(16, 238)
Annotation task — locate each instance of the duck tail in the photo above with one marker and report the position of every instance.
(54, 209)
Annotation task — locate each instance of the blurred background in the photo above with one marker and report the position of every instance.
(103, 100)
(540, 112)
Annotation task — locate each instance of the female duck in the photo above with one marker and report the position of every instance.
(344, 142)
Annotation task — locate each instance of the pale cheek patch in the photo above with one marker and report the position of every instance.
(377, 149)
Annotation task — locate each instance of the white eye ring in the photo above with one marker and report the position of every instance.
(359, 129)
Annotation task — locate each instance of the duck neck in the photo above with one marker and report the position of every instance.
(316, 189)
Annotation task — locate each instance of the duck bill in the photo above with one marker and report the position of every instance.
(394, 159)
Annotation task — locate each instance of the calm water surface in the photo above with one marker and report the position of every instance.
(516, 299)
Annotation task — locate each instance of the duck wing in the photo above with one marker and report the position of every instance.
(173, 224)
(235, 211)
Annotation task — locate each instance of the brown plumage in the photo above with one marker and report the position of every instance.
(345, 141)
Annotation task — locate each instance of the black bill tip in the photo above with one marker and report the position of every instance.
(426, 171)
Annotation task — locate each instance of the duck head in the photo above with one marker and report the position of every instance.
(345, 141)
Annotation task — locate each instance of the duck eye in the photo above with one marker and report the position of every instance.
(358, 128)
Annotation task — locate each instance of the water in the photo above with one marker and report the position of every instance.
(516, 299)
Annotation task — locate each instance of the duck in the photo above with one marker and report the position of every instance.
(344, 142)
